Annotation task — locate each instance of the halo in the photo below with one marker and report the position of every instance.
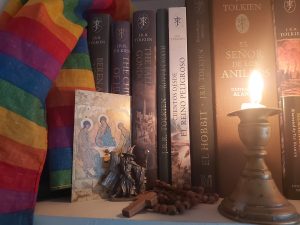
(86, 119)
(107, 120)
(118, 122)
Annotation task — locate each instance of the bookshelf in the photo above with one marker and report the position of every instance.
(62, 212)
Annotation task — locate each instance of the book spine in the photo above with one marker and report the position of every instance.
(120, 57)
(163, 103)
(243, 41)
(144, 121)
(201, 95)
(179, 104)
(98, 32)
(287, 17)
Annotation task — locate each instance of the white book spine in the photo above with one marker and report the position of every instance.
(179, 104)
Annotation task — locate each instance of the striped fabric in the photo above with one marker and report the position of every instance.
(76, 73)
(37, 40)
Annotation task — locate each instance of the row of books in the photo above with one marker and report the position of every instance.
(186, 68)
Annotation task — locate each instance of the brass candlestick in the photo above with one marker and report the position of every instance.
(256, 198)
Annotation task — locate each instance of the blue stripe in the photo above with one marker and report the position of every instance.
(82, 6)
(24, 217)
(60, 159)
(81, 46)
(24, 77)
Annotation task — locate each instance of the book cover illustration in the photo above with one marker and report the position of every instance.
(288, 65)
(101, 125)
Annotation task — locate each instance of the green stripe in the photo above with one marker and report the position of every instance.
(77, 61)
(60, 179)
(69, 9)
(22, 103)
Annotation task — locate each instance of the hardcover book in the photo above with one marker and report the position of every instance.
(144, 122)
(101, 125)
(120, 57)
(179, 103)
(98, 35)
(201, 94)
(243, 40)
(287, 17)
(163, 100)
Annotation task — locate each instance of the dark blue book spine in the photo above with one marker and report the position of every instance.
(163, 105)
(98, 35)
(120, 57)
(144, 121)
(201, 96)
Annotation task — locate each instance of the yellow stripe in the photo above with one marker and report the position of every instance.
(55, 10)
(75, 78)
(21, 130)
(12, 7)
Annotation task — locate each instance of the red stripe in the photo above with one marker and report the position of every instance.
(21, 155)
(39, 10)
(35, 32)
(4, 19)
(59, 97)
(60, 116)
(17, 178)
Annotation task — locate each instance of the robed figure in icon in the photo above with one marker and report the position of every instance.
(104, 136)
(90, 158)
(125, 140)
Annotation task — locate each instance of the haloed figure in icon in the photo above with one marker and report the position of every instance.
(104, 136)
(91, 162)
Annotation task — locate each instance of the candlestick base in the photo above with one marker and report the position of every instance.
(256, 198)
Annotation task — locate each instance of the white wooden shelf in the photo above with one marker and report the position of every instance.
(61, 212)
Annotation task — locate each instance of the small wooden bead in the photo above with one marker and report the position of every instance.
(204, 198)
(163, 208)
(172, 210)
(186, 204)
(156, 208)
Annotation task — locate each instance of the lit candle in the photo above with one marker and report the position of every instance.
(255, 89)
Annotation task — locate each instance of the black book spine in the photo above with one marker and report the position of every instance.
(163, 105)
(98, 35)
(291, 146)
(144, 123)
(201, 96)
(120, 57)
(287, 23)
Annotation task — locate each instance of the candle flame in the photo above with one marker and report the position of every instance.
(256, 86)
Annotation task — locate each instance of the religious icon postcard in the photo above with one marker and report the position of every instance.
(101, 127)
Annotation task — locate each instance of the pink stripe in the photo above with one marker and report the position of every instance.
(29, 54)
(12, 201)
(60, 137)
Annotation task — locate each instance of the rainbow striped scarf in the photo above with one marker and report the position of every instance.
(43, 53)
